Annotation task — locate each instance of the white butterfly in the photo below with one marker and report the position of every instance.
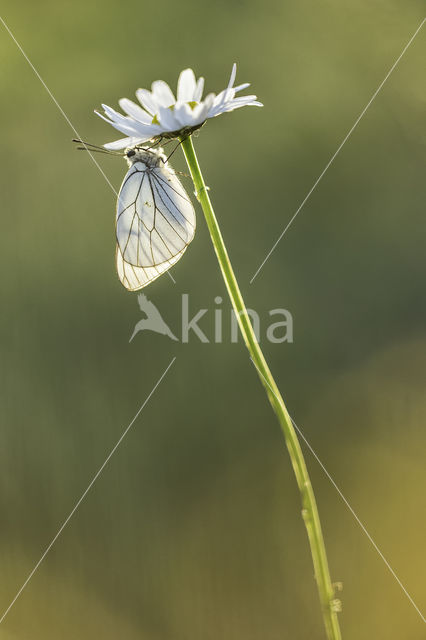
(155, 219)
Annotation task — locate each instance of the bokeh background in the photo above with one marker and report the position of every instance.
(194, 528)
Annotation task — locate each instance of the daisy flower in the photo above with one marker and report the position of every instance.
(160, 115)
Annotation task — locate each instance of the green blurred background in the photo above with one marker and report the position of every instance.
(194, 528)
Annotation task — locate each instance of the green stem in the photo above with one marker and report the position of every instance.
(309, 507)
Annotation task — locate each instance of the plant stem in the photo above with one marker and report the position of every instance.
(309, 507)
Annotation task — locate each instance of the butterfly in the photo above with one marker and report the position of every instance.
(155, 219)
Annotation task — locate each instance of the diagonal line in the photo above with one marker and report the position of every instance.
(76, 133)
(335, 154)
(92, 482)
(55, 101)
(346, 502)
(358, 521)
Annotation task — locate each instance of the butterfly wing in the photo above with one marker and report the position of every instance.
(155, 218)
(135, 278)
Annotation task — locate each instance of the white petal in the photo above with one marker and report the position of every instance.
(225, 96)
(241, 87)
(112, 113)
(120, 127)
(118, 118)
(183, 114)
(201, 112)
(217, 109)
(145, 98)
(124, 142)
(199, 90)
(167, 119)
(197, 115)
(128, 125)
(162, 94)
(139, 130)
(186, 86)
(233, 74)
(252, 103)
(134, 110)
(244, 100)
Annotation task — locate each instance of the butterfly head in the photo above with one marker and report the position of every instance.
(150, 157)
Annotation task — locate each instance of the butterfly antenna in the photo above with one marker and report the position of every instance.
(88, 146)
(154, 144)
(157, 141)
(170, 155)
